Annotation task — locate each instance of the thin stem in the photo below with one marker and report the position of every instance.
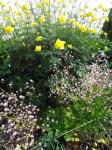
(74, 129)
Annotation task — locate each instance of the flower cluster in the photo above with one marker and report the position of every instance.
(66, 87)
(9, 29)
(32, 17)
(59, 44)
(18, 121)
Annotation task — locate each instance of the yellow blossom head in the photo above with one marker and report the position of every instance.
(38, 49)
(8, 29)
(89, 14)
(72, 21)
(77, 139)
(33, 24)
(47, 2)
(39, 4)
(106, 19)
(18, 13)
(70, 46)
(77, 24)
(38, 38)
(94, 18)
(105, 9)
(27, 12)
(42, 19)
(3, 4)
(105, 34)
(7, 18)
(92, 30)
(82, 28)
(25, 7)
(62, 19)
(59, 44)
(76, 134)
(100, 5)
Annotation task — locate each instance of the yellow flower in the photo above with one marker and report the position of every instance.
(3, 4)
(9, 29)
(88, 14)
(38, 38)
(105, 9)
(33, 24)
(7, 10)
(60, 1)
(38, 49)
(75, 134)
(106, 48)
(18, 13)
(100, 5)
(106, 19)
(38, 4)
(42, 19)
(70, 46)
(59, 44)
(83, 16)
(105, 34)
(92, 30)
(77, 140)
(62, 19)
(25, 7)
(27, 12)
(102, 32)
(94, 18)
(72, 21)
(77, 23)
(46, 2)
(82, 28)
(102, 141)
(7, 18)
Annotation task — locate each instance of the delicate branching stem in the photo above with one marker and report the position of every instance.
(74, 129)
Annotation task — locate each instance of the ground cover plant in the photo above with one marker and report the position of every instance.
(55, 76)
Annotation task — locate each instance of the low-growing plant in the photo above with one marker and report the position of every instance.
(19, 123)
(50, 83)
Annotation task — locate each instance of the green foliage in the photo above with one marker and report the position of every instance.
(48, 142)
(72, 94)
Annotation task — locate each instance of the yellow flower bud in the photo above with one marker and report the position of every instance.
(25, 7)
(42, 19)
(77, 140)
(59, 44)
(82, 28)
(33, 24)
(38, 49)
(62, 19)
(70, 46)
(3, 4)
(100, 5)
(38, 38)
(8, 29)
